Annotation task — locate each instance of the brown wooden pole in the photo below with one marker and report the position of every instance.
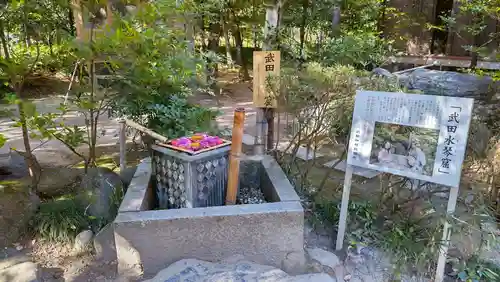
(234, 157)
(270, 128)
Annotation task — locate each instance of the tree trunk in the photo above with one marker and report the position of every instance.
(202, 32)
(254, 27)
(270, 27)
(213, 37)
(71, 21)
(336, 20)
(381, 18)
(279, 5)
(239, 52)
(34, 169)
(305, 5)
(5, 47)
(229, 58)
(213, 45)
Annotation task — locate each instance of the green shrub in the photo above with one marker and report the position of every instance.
(360, 50)
(60, 220)
(475, 270)
(178, 118)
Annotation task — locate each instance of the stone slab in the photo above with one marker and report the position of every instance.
(23, 272)
(202, 271)
(264, 233)
(136, 198)
(276, 183)
(364, 172)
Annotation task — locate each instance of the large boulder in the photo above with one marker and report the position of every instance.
(447, 83)
(57, 181)
(198, 271)
(13, 165)
(102, 190)
(127, 174)
(17, 208)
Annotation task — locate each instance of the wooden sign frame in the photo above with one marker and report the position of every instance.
(449, 116)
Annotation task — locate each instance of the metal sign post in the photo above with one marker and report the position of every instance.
(422, 137)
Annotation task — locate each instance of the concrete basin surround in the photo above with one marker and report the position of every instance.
(149, 240)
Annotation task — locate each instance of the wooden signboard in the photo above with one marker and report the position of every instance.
(422, 137)
(266, 64)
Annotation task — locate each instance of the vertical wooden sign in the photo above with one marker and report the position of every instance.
(265, 64)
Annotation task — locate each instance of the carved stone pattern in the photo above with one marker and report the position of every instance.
(210, 182)
(170, 182)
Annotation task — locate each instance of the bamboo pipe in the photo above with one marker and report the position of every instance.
(149, 132)
(234, 157)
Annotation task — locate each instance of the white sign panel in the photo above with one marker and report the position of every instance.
(418, 136)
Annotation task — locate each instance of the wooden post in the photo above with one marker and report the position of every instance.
(270, 128)
(234, 158)
(443, 249)
(123, 145)
(344, 207)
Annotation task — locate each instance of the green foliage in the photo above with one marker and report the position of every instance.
(60, 220)
(3, 140)
(483, 13)
(178, 118)
(355, 49)
(157, 71)
(328, 91)
(411, 242)
(477, 270)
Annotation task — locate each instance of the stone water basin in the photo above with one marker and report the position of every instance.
(271, 233)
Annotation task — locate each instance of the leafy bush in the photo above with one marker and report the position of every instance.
(178, 118)
(60, 220)
(362, 50)
(325, 95)
(157, 70)
(475, 270)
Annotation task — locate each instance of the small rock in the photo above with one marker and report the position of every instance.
(326, 258)
(294, 263)
(18, 246)
(382, 72)
(82, 240)
(23, 272)
(104, 244)
(347, 277)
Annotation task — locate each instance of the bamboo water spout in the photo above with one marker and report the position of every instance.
(234, 157)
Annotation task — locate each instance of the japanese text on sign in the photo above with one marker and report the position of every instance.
(419, 136)
(266, 64)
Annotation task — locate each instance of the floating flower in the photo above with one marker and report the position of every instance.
(197, 142)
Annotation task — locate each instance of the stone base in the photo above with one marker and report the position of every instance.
(271, 233)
